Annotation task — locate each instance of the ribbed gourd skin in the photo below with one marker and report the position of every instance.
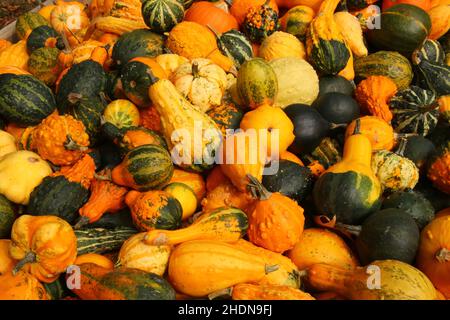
(235, 46)
(162, 15)
(100, 240)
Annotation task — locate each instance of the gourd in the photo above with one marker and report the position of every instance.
(235, 45)
(15, 55)
(296, 21)
(399, 281)
(327, 153)
(162, 15)
(61, 139)
(374, 93)
(143, 168)
(334, 192)
(154, 210)
(431, 75)
(222, 224)
(415, 110)
(260, 22)
(97, 283)
(105, 197)
(101, 240)
(44, 36)
(24, 100)
(413, 203)
(276, 221)
(21, 286)
(202, 82)
(433, 257)
(43, 64)
(379, 132)
(239, 9)
(185, 195)
(257, 83)
(178, 113)
(423, 4)
(7, 143)
(418, 149)
(227, 116)
(136, 254)
(26, 169)
(6, 262)
(432, 51)
(116, 25)
(94, 258)
(150, 118)
(191, 179)
(337, 83)
(27, 22)
(222, 264)
(85, 50)
(208, 14)
(247, 291)
(352, 32)
(192, 40)
(438, 169)
(30, 239)
(64, 192)
(279, 45)
(322, 246)
(7, 217)
(439, 16)
(69, 18)
(385, 63)
(122, 113)
(325, 46)
(337, 107)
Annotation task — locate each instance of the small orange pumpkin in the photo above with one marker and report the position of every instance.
(208, 14)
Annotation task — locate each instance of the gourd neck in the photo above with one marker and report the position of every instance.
(328, 7)
(358, 148)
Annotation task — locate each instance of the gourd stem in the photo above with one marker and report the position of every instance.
(107, 177)
(71, 145)
(227, 292)
(257, 189)
(216, 33)
(357, 127)
(153, 79)
(337, 125)
(402, 147)
(30, 257)
(443, 255)
(229, 2)
(269, 269)
(74, 97)
(81, 222)
(195, 69)
(352, 229)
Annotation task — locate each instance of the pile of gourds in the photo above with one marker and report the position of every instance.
(101, 106)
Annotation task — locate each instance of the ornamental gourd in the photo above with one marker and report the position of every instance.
(440, 17)
(281, 44)
(439, 170)
(192, 179)
(202, 82)
(170, 62)
(43, 64)
(44, 36)
(239, 9)
(27, 22)
(210, 15)
(235, 46)
(352, 32)
(260, 22)
(296, 21)
(349, 189)
(247, 291)
(379, 132)
(185, 195)
(21, 286)
(31, 238)
(15, 55)
(431, 75)
(122, 113)
(162, 15)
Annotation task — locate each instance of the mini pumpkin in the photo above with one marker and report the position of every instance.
(260, 22)
(379, 132)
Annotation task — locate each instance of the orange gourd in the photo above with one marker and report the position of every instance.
(379, 132)
(94, 258)
(6, 262)
(192, 179)
(286, 155)
(247, 291)
(21, 286)
(240, 8)
(314, 4)
(208, 14)
(150, 119)
(276, 221)
(13, 70)
(440, 21)
(69, 17)
(45, 246)
(81, 172)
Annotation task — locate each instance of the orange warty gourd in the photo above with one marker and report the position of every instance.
(150, 119)
(379, 132)
(247, 291)
(239, 9)
(94, 258)
(82, 172)
(433, 256)
(21, 286)
(208, 14)
(45, 246)
(215, 178)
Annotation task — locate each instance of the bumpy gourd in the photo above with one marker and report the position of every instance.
(351, 30)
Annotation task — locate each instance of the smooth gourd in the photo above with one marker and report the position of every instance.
(7, 143)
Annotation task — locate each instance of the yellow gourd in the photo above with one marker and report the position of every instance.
(352, 32)
(15, 55)
(7, 143)
(279, 45)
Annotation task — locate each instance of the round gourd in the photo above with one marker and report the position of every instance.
(212, 15)
(113, 87)
(7, 217)
(44, 36)
(279, 45)
(162, 15)
(339, 84)
(418, 149)
(379, 132)
(7, 143)
(432, 51)
(27, 22)
(235, 46)
(337, 107)
(43, 64)
(122, 113)
(388, 234)
(438, 170)
(260, 22)
(24, 99)
(296, 21)
(137, 43)
(413, 203)
(297, 81)
(226, 116)
(185, 195)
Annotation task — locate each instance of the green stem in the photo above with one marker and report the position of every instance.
(81, 222)
(30, 257)
(402, 147)
(257, 190)
(352, 229)
(71, 145)
(268, 269)
(357, 127)
(227, 292)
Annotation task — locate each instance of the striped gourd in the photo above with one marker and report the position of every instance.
(162, 15)
(15, 55)
(27, 22)
(24, 99)
(187, 3)
(100, 240)
(415, 110)
(235, 46)
(44, 36)
(297, 20)
(43, 64)
(385, 63)
(432, 51)
(432, 76)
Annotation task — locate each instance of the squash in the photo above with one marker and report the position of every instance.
(337, 83)
(208, 14)
(438, 168)
(7, 143)
(202, 82)
(297, 81)
(26, 169)
(193, 40)
(432, 76)
(325, 46)
(337, 108)
(247, 291)
(398, 281)
(83, 51)
(69, 18)
(433, 254)
(105, 197)
(4, 44)
(15, 55)
(30, 238)
(136, 254)
(432, 51)
(61, 139)
(7, 218)
(27, 22)
(227, 116)
(322, 246)
(296, 21)
(185, 195)
(136, 80)
(352, 32)
(178, 113)
(239, 9)
(413, 203)
(235, 46)
(154, 210)
(423, 4)
(101, 240)
(6, 262)
(257, 83)
(144, 42)
(379, 132)
(201, 267)
(44, 36)
(122, 113)
(418, 149)
(385, 63)
(349, 189)
(97, 283)
(150, 119)
(415, 110)
(94, 258)
(276, 221)
(21, 286)
(116, 25)
(24, 99)
(440, 16)
(194, 180)
(260, 22)
(162, 15)
(222, 224)
(143, 168)
(388, 234)
(279, 45)
(43, 64)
